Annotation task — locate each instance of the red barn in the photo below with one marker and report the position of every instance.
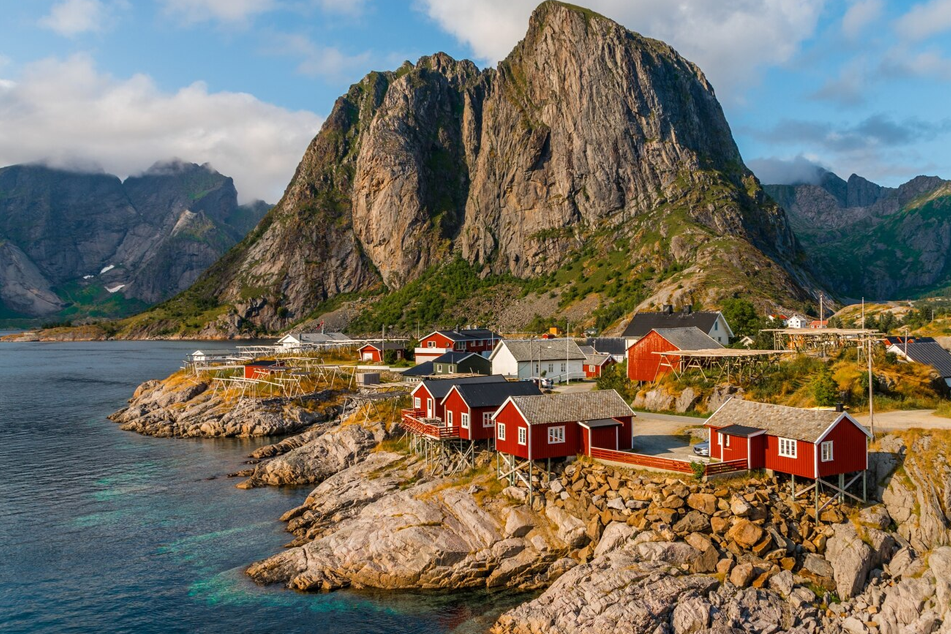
(374, 351)
(478, 340)
(429, 394)
(471, 405)
(803, 442)
(643, 364)
(562, 425)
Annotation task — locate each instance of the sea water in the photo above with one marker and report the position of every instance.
(103, 530)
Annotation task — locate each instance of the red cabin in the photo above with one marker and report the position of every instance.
(374, 352)
(260, 369)
(471, 405)
(478, 340)
(429, 394)
(595, 364)
(803, 442)
(561, 425)
(643, 362)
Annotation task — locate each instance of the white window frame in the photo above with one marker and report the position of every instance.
(727, 440)
(430, 344)
(562, 367)
(551, 368)
(417, 403)
(465, 419)
(449, 417)
(826, 456)
(500, 430)
(439, 367)
(487, 419)
(522, 436)
(719, 439)
(556, 435)
(788, 448)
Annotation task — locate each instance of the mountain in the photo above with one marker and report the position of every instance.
(75, 244)
(593, 166)
(865, 240)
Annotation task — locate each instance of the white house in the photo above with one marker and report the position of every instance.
(555, 359)
(297, 341)
(798, 321)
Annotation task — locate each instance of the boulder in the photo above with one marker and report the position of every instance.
(519, 522)
(569, 529)
(615, 535)
(687, 399)
(690, 616)
(782, 582)
(875, 516)
(745, 533)
(742, 574)
(703, 502)
(818, 566)
(692, 522)
(740, 507)
(939, 561)
(851, 560)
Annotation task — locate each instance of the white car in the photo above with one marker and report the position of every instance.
(702, 449)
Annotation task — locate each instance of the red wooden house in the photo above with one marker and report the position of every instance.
(643, 364)
(375, 351)
(261, 368)
(427, 397)
(802, 442)
(478, 340)
(471, 405)
(595, 363)
(561, 425)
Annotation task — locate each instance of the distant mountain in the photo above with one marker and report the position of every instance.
(77, 244)
(865, 240)
(593, 168)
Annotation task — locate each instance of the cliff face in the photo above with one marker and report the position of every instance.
(587, 136)
(66, 238)
(870, 241)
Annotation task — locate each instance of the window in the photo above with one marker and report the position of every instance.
(727, 441)
(562, 367)
(465, 419)
(556, 435)
(487, 419)
(522, 436)
(716, 325)
(438, 367)
(501, 431)
(417, 403)
(826, 451)
(551, 367)
(430, 344)
(449, 417)
(787, 447)
(720, 439)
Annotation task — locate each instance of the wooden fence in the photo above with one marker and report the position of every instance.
(411, 421)
(666, 464)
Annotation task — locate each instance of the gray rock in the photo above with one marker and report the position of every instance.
(851, 560)
(690, 616)
(876, 516)
(614, 536)
(520, 522)
(782, 582)
(569, 528)
(818, 565)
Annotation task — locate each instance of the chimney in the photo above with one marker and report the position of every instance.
(668, 309)
(840, 407)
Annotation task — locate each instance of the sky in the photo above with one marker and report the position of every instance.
(853, 86)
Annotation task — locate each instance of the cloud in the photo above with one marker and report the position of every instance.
(235, 12)
(925, 20)
(859, 15)
(318, 61)
(73, 17)
(900, 63)
(779, 171)
(731, 42)
(345, 7)
(848, 88)
(64, 111)
(876, 132)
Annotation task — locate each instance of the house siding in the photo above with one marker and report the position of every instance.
(802, 465)
(642, 363)
(423, 394)
(512, 419)
(455, 404)
(757, 452)
(374, 354)
(848, 450)
(541, 449)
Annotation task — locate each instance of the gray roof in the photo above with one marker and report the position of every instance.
(468, 334)
(543, 349)
(440, 387)
(421, 369)
(586, 350)
(321, 337)
(610, 345)
(643, 323)
(597, 358)
(776, 420)
(688, 338)
(740, 430)
(386, 345)
(453, 357)
(929, 353)
(572, 406)
(494, 394)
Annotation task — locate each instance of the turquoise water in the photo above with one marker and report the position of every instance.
(108, 531)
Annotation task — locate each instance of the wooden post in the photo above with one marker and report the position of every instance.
(792, 483)
(817, 501)
(530, 485)
(841, 488)
(864, 486)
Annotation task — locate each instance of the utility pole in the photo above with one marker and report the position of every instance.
(821, 309)
(567, 368)
(863, 313)
(871, 402)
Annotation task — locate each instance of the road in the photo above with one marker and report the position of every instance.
(658, 435)
(906, 419)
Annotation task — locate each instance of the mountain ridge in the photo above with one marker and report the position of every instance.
(589, 144)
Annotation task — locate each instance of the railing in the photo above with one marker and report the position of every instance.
(411, 421)
(665, 464)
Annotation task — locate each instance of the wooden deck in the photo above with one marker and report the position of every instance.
(666, 464)
(414, 420)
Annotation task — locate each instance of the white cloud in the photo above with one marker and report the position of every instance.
(318, 61)
(72, 17)
(731, 42)
(236, 12)
(65, 111)
(925, 19)
(345, 7)
(859, 15)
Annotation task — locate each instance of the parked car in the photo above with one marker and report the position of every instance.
(702, 449)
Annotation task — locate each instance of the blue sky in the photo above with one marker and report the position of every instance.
(856, 86)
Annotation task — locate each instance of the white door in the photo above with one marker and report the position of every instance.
(368, 356)
(429, 408)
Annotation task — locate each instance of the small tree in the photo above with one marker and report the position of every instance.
(824, 388)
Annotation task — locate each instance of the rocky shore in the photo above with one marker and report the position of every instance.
(185, 406)
(609, 550)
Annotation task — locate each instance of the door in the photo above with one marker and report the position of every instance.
(368, 356)
(429, 408)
